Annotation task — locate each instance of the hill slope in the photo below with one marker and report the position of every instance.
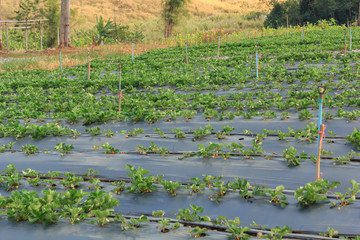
(138, 10)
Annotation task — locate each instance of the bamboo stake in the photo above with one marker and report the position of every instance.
(321, 94)
(322, 135)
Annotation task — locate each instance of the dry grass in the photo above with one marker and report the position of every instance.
(130, 11)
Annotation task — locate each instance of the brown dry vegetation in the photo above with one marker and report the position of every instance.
(131, 11)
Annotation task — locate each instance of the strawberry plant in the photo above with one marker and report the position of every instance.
(109, 149)
(161, 133)
(99, 200)
(314, 192)
(191, 215)
(226, 130)
(93, 131)
(277, 196)
(290, 156)
(196, 186)
(52, 175)
(140, 183)
(243, 186)
(153, 148)
(220, 189)
(178, 133)
(119, 187)
(29, 149)
(202, 132)
(170, 186)
(305, 115)
(349, 196)
(64, 148)
(102, 216)
(237, 231)
(95, 184)
(198, 232)
(5, 147)
(354, 138)
(73, 214)
(278, 233)
(108, 133)
(209, 179)
(133, 133)
(71, 181)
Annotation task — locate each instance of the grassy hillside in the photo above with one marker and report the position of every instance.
(129, 11)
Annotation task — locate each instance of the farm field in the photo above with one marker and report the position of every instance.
(204, 145)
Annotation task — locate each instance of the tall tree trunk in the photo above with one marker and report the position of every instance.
(1, 42)
(65, 40)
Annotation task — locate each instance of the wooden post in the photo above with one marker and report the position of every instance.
(287, 24)
(322, 129)
(132, 51)
(58, 35)
(88, 72)
(218, 53)
(303, 34)
(35, 42)
(60, 60)
(41, 39)
(257, 61)
(26, 36)
(7, 37)
(120, 92)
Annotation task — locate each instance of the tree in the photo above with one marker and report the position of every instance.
(172, 10)
(65, 40)
(51, 11)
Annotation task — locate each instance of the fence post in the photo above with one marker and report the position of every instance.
(41, 38)
(26, 36)
(7, 38)
(218, 53)
(132, 51)
(60, 60)
(58, 35)
(88, 65)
